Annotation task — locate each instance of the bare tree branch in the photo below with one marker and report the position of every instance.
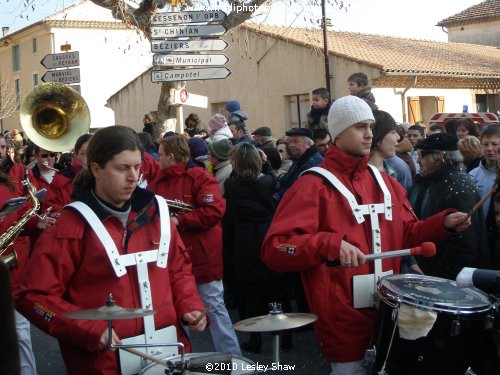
(8, 98)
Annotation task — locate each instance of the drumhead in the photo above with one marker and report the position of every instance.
(432, 293)
(241, 365)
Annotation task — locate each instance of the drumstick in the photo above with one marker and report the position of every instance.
(145, 356)
(481, 202)
(428, 249)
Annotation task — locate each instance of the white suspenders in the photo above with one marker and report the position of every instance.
(140, 259)
(364, 285)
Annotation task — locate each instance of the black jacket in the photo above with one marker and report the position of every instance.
(310, 158)
(249, 211)
(451, 187)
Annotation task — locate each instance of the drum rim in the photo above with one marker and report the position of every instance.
(187, 355)
(387, 295)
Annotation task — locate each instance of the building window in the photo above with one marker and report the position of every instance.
(219, 108)
(33, 43)
(421, 108)
(296, 112)
(17, 87)
(35, 79)
(16, 58)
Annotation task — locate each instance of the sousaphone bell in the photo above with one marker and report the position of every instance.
(54, 115)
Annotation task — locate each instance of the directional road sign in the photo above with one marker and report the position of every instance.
(62, 76)
(158, 46)
(183, 97)
(187, 30)
(172, 18)
(189, 74)
(190, 60)
(61, 60)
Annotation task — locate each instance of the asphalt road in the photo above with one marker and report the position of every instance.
(305, 356)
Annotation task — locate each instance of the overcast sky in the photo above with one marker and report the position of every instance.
(404, 18)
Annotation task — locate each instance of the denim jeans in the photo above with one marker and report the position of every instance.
(348, 368)
(221, 328)
(26, 356)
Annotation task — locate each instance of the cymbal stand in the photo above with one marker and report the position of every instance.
(275, 308)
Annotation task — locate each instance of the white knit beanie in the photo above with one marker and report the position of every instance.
(345, 112)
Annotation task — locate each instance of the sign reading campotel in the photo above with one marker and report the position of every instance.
(190, 60)
(186, 31)
(158, 46)
(189, 74)
(173, 18)
(62, 76)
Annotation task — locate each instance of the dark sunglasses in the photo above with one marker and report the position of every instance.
(52, 155)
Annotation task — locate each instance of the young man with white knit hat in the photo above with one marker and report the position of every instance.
(323, 229)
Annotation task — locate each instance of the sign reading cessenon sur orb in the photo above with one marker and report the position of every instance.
(172, 18)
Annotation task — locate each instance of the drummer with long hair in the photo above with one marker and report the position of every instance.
(138, 257)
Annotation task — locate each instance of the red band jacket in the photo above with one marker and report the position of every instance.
(201, 230)
(70, 270)
(311, 221)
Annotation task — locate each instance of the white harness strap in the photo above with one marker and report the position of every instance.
(359, 211)
(114, 256)
(139, 259)
(103, 235)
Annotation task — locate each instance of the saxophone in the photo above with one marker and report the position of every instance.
(7, 238)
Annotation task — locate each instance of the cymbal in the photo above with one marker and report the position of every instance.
(113, 312)
(275, 322)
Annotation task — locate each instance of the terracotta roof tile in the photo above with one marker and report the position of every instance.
(488, 10)
(396, 55)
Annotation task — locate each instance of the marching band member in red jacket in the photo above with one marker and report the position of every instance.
(73, 268)
(201, 230)
(43, 170)
(59, 191)
(320, 222)
(21, 246)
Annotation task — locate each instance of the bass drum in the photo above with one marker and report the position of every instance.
(240, 366)
(428, 325)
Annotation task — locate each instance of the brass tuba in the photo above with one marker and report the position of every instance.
(54, 115)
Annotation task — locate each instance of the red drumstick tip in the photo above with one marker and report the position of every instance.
(428, 249)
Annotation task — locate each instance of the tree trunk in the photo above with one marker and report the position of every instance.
(167, 110)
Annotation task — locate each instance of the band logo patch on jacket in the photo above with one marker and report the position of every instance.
(44, 312)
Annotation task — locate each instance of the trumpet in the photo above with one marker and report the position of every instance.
(178, 206)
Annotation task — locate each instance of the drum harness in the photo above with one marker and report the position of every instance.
(131, 364)
(364, 285)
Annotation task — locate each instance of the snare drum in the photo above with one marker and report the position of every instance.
(428, 325)
(240, 366)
